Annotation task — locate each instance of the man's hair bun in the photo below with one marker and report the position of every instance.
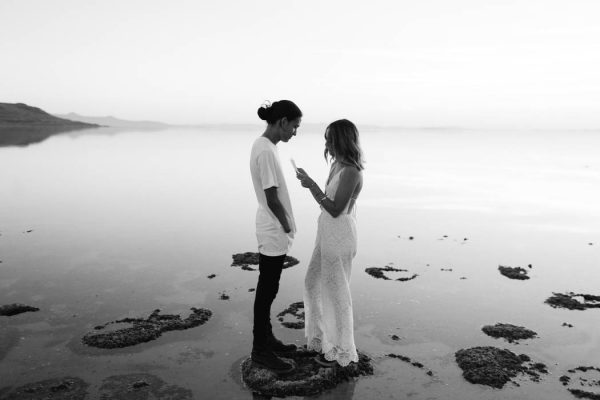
(272, 112)
(264, 112)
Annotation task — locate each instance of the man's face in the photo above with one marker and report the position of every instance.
(289, 128)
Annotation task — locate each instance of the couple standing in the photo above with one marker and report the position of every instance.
(327, 299)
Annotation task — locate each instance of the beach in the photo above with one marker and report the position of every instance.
(98, 226)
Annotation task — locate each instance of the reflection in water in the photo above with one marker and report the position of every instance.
(344, 391)
(122, 224)
(24, 136)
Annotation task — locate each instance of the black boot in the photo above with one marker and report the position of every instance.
(278, 346)
(321, 360)
(265, 358)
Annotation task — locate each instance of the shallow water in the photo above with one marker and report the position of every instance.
(126, 222)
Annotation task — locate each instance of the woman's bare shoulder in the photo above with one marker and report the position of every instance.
(352, 170)
(350, 175)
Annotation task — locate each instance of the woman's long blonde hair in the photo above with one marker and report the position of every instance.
(342, 137)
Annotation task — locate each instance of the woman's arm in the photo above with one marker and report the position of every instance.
(349, 179)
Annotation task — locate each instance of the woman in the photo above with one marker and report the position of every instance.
(327, 298)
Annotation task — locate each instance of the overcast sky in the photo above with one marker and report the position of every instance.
(399, 62)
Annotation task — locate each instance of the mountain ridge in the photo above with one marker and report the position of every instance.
(23, 115)
(111, 121)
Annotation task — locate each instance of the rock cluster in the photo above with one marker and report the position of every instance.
(379, 273)
(511, 333)
(513, 273)
(142, 330)
(495, 367)
(568, 300)
(67, 388)
(9, 310)
(585, 380)
(296, 310)
(411, 362)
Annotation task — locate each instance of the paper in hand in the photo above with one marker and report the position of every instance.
(294, 164)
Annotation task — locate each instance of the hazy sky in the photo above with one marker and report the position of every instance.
(399, 62)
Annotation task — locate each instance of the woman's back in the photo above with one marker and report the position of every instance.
(332, 187)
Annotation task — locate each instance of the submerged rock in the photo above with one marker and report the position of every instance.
(408, 278)
(564, 380)
(68, 388)
(141, 386)
(13, 309)
(249, 258)
(584, 369)
(223, 296)
(411, 362)
(379, 273)
(584, 378)
(584, 394)
(513, 273)
(495, 367)
(569, 301)
(297, 311)
(509, 332)
(308, 379)
(142, 330)
(9, 338)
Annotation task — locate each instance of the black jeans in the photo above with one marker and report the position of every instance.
(266, 290)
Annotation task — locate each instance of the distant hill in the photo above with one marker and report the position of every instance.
(22, 125)
(21, 115)
(113, 122)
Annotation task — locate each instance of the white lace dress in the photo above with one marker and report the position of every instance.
(327, 299)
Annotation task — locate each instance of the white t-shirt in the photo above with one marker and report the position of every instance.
(266, 172)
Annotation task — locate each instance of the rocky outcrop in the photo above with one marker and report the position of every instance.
(571, 302)
(9, 310)
(140, 330)
(495, 367)
(510, 332)
(513, 272)
(308, 379)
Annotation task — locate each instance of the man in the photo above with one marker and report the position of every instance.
(275, 228)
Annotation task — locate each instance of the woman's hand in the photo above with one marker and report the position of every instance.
(305, 180)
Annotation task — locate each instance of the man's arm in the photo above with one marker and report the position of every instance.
(277, 208)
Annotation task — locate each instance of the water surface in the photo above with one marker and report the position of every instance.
(122, 223)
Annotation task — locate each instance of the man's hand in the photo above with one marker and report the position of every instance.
(277, 208)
